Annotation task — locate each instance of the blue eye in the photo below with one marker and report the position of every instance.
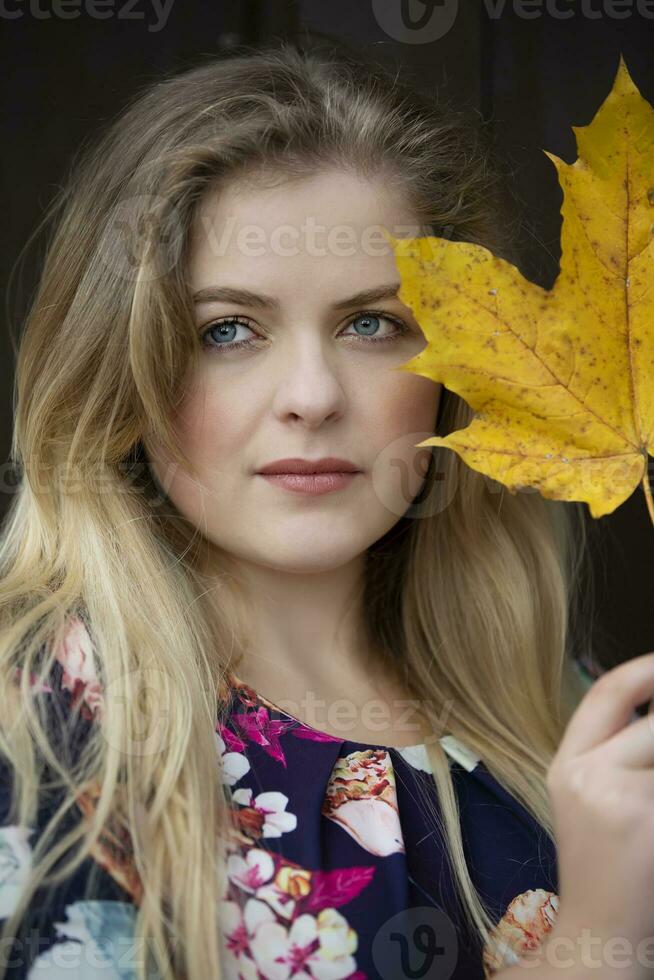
(224, 328)
(370, 318)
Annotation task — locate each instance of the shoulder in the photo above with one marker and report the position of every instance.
(70, 929)
(58, 703)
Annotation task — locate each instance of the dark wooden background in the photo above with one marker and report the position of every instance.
(533, 77)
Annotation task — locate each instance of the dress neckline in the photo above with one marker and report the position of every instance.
(236, 683)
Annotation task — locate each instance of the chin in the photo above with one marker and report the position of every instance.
(309, 559)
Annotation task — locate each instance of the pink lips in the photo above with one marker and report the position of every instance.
(311, 483)
(312, 476)
(295, 464)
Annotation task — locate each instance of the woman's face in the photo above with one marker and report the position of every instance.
(313, 380)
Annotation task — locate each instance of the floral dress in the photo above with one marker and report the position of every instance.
(333, 870)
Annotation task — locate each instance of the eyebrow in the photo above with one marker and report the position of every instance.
(244, 297)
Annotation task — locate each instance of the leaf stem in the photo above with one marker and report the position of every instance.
(648, 493)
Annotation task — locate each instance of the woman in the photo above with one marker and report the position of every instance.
(178, 626)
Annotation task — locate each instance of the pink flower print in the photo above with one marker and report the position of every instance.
(521, 930)
(263, 730)
(266, 813)
(75, 654)
(238, 963)
(234, 764)
(319, 947)
(306, 731)
(333, 888)
(251, 871)
(232, 741)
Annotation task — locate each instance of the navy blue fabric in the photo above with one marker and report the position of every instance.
(334, 872)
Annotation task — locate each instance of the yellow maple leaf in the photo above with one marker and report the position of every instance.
(561, 380)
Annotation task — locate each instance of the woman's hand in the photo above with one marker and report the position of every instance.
(601, 785)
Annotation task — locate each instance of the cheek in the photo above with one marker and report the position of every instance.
(208, 425)
(209, 433)
(405, 415)
(408, 404)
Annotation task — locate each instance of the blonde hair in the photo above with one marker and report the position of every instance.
(472, 601)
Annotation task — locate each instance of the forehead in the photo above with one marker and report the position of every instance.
(327, 226)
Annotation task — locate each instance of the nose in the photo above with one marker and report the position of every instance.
(309, 386)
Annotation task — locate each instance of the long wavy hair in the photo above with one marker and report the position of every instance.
(473, 602)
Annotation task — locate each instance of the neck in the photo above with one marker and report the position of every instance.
(306, 627)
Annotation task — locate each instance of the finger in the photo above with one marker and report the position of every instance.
(633, 747)
(609, 705)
